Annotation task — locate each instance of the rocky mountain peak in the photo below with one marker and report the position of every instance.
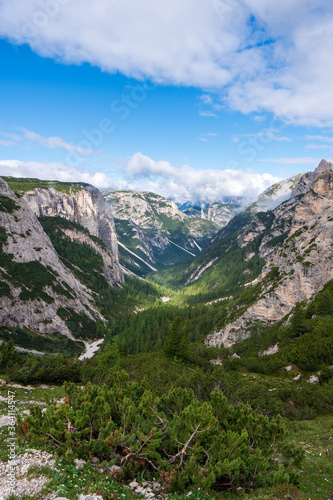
(299, 265)
(323, 166)
(306, 180)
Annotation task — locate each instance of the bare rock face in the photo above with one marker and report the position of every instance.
(307, 180)
(24, 241)
(153, 229)
(84, 205)
(298, 268)
(144, 209)
(220, 213)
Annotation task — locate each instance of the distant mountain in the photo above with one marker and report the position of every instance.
(275, 195)
(218, 212)
(263, 264)
(153, 232)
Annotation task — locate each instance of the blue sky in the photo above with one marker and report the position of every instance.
(195, 101)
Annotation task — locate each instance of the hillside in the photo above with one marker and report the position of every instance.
(54, 270)
(263, 264)
(153, 233)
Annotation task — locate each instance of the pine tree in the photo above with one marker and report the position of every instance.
(175, 344)
(298, 326)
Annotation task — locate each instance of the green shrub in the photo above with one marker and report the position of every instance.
(208, 444)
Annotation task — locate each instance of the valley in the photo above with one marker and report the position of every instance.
(207, 321)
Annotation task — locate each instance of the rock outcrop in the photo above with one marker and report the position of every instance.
(154, 231)
(26, 251)
(298, 267)
(85, 205)
(220, 213)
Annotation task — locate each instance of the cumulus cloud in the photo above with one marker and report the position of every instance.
(54, 171)
(188, 184)
(145, 174)
(252, 51)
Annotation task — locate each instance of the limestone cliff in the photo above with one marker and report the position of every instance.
(153, 232)
(298, 267)
(220, 213)
(85, 205)
(35, 284)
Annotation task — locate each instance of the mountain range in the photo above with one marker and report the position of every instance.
(73, 257)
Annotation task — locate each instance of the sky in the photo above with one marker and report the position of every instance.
(192, 99)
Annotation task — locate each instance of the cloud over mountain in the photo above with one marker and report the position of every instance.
(145, 174)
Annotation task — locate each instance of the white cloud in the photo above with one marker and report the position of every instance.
(323, 138)
(55, 143)
(266, 134)
(318, 146)
(13, 137)
(187, 183)
(262, 56)
(145, 174)
(207, 137)
(294, 161)
(208, 114)
(6, 143)
(54, 171)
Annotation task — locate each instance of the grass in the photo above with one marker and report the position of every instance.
(21, 185)
(316, 437)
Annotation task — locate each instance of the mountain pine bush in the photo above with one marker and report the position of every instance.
(210, 444)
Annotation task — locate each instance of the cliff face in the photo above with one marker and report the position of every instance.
(153, 232)
(297, 268)
(84, 205)
(220, 213)
(34, 282)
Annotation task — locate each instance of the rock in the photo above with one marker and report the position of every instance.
(82, 204)
(314, 379)
(79, 464)
(31, 488)
(271, 350)
(303, 258)
(90, 497)
(133, 485)
(51, 463)
(145, 217)
(235, 356)
(114, 470)
(95, 460)
(156, 486)
(27, 242)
